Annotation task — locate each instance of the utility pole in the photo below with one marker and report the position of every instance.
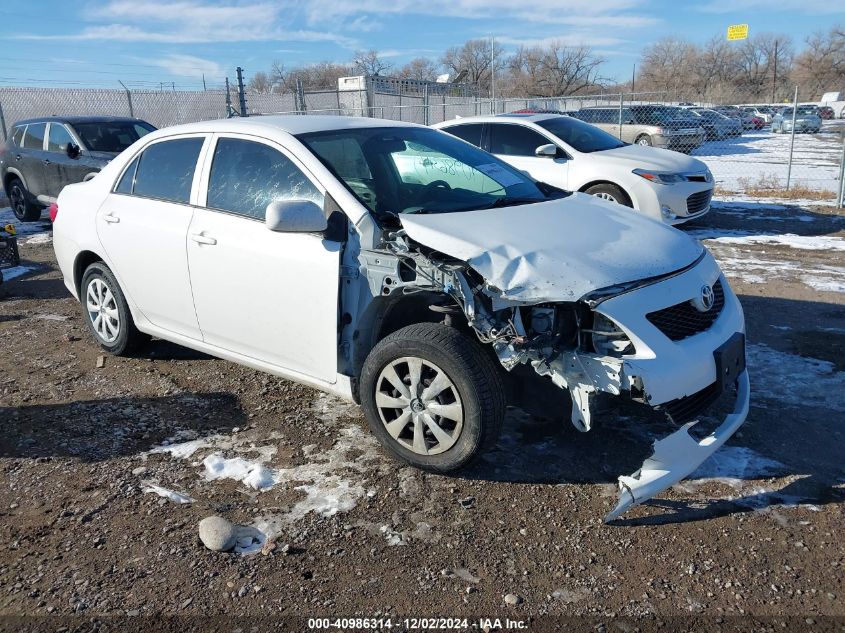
(241, 93)
(203, 83)
(633, 78)
(775, 74)
(492, 77)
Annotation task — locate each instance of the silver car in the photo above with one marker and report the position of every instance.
(807, 120)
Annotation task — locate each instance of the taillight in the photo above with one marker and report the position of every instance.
(54, 211)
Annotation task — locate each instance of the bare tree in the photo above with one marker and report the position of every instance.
(419, 68)
(821, 66)
(756, 64)
(259, 82)
(369, 63)
(554, 70)
(716, 68)
(476, 58)
(669, 65)
(320, 76)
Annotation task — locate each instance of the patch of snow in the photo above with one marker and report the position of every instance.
(16, 271)
(40, 238)
(824, 285)
(183, 450)
(50, 317)
(792, 380)
(251, 474)
(23, 229)
(172, 495)
(805, 242)
(731, 464)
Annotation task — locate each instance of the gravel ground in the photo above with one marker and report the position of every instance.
(756, 532)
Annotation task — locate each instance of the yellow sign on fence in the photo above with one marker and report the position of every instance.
(737, 32)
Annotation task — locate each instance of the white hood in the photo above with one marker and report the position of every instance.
(658, 159)
(558, 250)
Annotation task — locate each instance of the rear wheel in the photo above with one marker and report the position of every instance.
(432, 397)
(23, 207)
(611, 192)
(106, 312)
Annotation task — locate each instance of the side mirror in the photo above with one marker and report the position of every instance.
(73, 150)
(295, 216)
(546, 151)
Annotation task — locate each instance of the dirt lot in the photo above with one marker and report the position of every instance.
(757, 531)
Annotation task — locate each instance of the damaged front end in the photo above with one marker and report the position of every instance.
(579, 348)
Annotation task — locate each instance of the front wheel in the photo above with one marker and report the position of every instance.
(23, 207)
(645, 140)
(106, 312)
(432, 397)
(611, 192)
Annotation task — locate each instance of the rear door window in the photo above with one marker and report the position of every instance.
(469, 132)
(247, 176)
(514, 140)
(17, 135)
(34, 137)
(166, 170)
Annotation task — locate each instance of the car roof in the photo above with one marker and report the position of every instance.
(531, 117)
(78, 119)
(291, 123)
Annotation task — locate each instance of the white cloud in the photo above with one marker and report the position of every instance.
(190, 66)
(190, 22)
(570, 39)
(802, 7)
(584, 13)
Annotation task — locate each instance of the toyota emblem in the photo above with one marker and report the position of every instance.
(707, 298)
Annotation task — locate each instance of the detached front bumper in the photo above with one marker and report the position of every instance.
(678, 455)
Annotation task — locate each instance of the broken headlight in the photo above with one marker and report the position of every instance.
(608, 338)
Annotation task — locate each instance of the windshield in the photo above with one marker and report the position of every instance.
(581, 136)
(710, 114)
(806, 110)
(418, 170)
(111, 136)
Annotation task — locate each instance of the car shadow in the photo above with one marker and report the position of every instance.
(731, 146)
(789, 451)
(741, 218)
(97, 430)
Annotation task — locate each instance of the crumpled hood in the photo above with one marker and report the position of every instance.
(558, 250)
(637, 156)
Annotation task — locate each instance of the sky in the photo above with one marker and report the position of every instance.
(155, 42)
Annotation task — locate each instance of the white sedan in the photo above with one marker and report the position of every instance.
(576, 156)
(404, 269)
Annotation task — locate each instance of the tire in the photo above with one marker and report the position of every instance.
(645, 140)
(23, 207)
(475, 392)
(611, 192)
(115, 332)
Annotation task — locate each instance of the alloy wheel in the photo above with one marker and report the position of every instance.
(606, 196)
(18, 200)
(419, 405)
(102, 310)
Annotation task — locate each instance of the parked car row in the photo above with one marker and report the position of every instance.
(417, 274)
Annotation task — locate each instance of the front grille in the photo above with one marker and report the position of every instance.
(699, 201)
(689, 407)
(683, 319)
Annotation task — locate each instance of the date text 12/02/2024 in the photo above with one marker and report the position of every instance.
(416, 624)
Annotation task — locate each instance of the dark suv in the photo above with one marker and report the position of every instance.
(41, 156)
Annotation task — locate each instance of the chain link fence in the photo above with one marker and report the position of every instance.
(751, 151)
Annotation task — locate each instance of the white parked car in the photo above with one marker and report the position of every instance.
(406, 270)
(576, 156)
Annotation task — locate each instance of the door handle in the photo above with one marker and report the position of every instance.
(111, 219)
(199, 238)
